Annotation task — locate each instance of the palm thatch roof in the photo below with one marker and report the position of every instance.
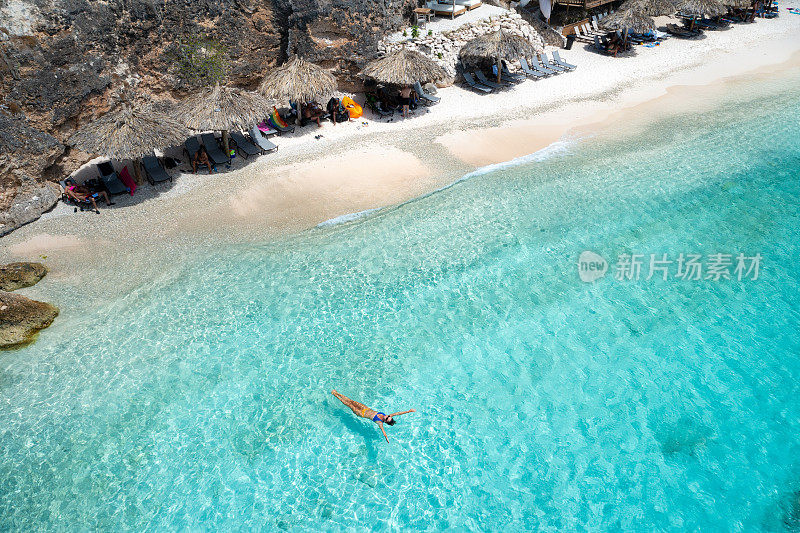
(130, 133)
(298, 81)
(498, 45)
(652, 8)
(223, 108)
(742, 4)
(700, 8)
(404, 67)
(631, 19)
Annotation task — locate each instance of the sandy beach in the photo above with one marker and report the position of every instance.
(369, 164)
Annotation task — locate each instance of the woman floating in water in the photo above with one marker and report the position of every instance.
(365, 412)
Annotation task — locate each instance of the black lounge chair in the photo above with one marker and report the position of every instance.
(426, 98)
(190, 147)
(483, 80)
(245, 147)
(155, 172)
(111, 182)
(534, 73)
(475, 85)
(215, 153)
(557, 59)
(260, 138)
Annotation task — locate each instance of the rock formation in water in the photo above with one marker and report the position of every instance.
(15, 276)
(62, 60)
(21, 318)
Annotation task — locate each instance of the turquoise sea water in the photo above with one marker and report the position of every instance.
(543, 403)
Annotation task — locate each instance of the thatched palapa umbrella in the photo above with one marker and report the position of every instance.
(130, 133)
(700, 8)
(652, 8)
(223, 108)
(298, 81)
(499, 46)
(404, 67)
(630, 19)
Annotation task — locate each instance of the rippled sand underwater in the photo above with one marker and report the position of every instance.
(203, 401)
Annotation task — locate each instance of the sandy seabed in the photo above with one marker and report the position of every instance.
(368, 164)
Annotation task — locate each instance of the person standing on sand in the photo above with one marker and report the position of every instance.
(359, 409)
(405, 99)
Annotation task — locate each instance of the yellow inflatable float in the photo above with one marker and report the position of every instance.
(353, 108)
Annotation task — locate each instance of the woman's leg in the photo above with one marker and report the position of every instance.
(356, 407)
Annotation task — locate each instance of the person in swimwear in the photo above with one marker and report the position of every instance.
(365, 412)
(80, 193)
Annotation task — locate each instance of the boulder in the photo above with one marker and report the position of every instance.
(15, 276)
(21, 318)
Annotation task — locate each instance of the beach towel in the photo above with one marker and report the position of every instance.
(126, 178)
(276, 120)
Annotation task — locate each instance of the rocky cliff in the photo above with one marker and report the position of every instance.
(62, 60)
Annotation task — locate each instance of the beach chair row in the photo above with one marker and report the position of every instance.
(543, 67)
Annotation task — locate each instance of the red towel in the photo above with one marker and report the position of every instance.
(125, 176)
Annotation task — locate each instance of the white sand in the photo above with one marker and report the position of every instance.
(367, 164)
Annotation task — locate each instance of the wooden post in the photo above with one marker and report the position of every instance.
(226, 143)
(137, 172)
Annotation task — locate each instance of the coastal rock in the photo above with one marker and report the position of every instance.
(21, 318)
(64, 62)
(15, 276)
(25, 155)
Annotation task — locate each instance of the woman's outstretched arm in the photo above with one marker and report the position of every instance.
(404, 412)
(383, 431)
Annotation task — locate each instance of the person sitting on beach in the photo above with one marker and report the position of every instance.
(405, 100)
(312, 112)
(79, 193)
(201, 158)
(359, 409)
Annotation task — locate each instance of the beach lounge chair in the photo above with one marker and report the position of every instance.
(155, 172)
(261, 140)
(190, 147)
(483, 80)
(581, 36)
(545, 67)
(426, 98)
(84, 204)
(545, 62)
(267, 130)
(473, 84)
(529, 71)
(447, 10)
(469, 4)
(244, 146)
(558, 60)
(215, 153)
(111, 182)
(514, 77)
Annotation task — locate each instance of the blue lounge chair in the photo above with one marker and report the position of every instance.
(483, 80)
(531, 72)
(426, 98)
(557, 59)
(475, 85)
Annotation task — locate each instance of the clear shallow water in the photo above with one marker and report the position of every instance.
(203, 401)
